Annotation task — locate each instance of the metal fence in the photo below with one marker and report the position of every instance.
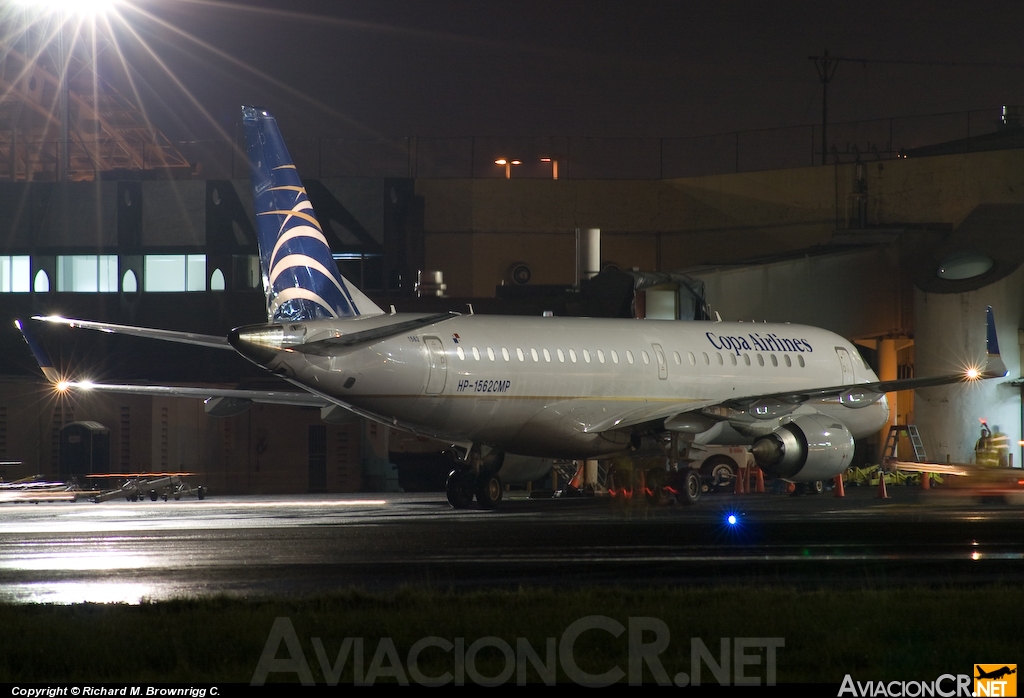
(604, 158)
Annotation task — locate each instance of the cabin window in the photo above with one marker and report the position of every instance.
(547, 356)
(629, 356)
(789, 362)
(679, 359)
(746, 359)
(732, 358)
(721, 361)
(692, 358)
(775, 361)
(504, 353)
(533, 353)
(647, 357)
(800, 360)
(615, 357)
(476, 353)
(572, 355)
(707, 359)
(586, 356)
(561, 356)
(600, 356)
(760, 360)
(461, 353)
(490, 353)
(520, 355)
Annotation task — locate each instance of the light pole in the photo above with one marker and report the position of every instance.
(507, 165)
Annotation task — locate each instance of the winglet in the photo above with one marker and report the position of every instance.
(994, 366)
(41, 356)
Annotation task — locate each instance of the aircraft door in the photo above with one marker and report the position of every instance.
(438, 365)
(847, 365)
(659, 355)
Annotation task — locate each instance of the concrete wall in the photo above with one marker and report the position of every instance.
(950, 334)
(673, 224)
(857, 293)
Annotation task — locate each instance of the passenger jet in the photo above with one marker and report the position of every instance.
(505, 389)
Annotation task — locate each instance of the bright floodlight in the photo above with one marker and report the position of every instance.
(973, 374)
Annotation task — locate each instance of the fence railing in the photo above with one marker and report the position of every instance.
(578, 157)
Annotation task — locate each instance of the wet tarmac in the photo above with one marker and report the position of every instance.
(285, 546)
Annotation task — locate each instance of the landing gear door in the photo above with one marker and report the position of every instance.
(438, 365)
(847, 365)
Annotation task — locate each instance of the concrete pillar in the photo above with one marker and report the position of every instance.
(949, 336)
(887, 372)
(589, 253)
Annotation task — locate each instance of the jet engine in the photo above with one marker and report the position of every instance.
(808, 448)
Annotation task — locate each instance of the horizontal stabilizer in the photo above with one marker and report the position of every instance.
(202, 340)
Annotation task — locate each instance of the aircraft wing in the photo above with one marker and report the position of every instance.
(203, 340)
(854, 396)
(270, 397)
(275, 397)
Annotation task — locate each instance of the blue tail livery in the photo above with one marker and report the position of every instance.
(300, 277)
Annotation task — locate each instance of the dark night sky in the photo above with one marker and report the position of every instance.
(576, 67)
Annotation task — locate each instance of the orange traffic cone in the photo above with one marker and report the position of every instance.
(926, 481)
(577, 479)
(760, 481)
(840, 490)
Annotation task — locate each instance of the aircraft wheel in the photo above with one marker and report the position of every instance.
(816, 487)
(201, 492)
(691, 487)
(720, 472)
(152, 495)
(459, 489)
(488, 491)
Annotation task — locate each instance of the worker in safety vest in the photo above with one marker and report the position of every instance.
(984, 454)
(1000, 443)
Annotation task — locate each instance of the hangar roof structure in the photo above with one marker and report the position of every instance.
(107, 132)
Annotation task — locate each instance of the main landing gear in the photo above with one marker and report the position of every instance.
(476, 478)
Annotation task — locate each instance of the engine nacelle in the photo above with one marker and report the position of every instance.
(809, 448)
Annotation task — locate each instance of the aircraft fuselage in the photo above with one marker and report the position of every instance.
(560, 387)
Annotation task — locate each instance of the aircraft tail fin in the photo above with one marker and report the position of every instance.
(994, 366)
(300, 277)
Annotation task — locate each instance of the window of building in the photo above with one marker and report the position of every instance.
(87, 273)
(169, 273)
(217, 280)
(129, 284)
(42, 282)
(15, 274)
